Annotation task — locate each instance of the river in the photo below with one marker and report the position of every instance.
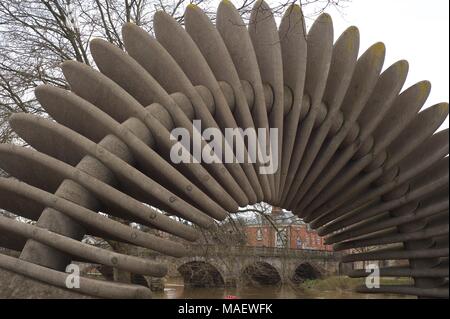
(174, 289)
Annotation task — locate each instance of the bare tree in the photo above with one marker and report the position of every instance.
(37, 35)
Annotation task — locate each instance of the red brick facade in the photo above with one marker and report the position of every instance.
(298, 237)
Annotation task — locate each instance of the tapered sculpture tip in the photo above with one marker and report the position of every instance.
(403, 66)
(325, 18)
(352, 29)
(379, 48)
(425, 87)
(296, 8)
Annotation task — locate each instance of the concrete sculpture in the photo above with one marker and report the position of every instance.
(357, 158)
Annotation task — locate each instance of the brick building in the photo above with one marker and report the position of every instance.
(292, 233)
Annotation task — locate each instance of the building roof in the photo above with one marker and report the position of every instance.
(282, 217)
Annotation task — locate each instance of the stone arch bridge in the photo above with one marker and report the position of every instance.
(360, 158)
(209, 265)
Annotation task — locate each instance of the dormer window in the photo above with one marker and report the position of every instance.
(259, 234)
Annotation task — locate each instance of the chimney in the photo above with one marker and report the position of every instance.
(276, 211)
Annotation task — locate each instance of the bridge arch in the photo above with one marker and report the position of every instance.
(260, 273)
(139, 280)
(107, 272)
(305, 271)
(201, 274)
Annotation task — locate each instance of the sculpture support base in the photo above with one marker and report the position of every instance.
(20, 287)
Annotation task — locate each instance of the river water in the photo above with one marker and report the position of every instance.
(174, 289)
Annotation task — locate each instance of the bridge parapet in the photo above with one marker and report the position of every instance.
(232, 262)
(230, 251)
(203, 250)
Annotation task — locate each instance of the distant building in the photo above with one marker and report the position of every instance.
(293, 233)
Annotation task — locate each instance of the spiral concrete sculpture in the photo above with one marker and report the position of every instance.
(357, 158)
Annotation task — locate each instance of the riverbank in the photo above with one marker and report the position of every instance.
(327, 288)
(344, 285)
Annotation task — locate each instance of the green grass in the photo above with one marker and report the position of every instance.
(343, 283)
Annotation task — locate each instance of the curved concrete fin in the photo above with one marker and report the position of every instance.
(100, 91)
(96, 87)
(355, 157)
(423, 126)
(266, 42)
(126, 72)
(88, 286)
(239, 45)
(131, 179)
(135, 80)
(19, 162)
(351, 188)
(108, 96)
(185, 52)
(424, 185)
(39, 175)
(88, 252)
(386, 91)
(326, 176)
(214, 51)
(399, 252)
(409, 168)
(401, 114)
(141, 85)
(435, 148)
(88, 116)
(430, 206)
(92, 219)
(320, 48)
(20, 205)
(143, 47)
(12, 241)
(392, 237)
(292, 36)
(343, 62)
(154, 58)
(364, 79)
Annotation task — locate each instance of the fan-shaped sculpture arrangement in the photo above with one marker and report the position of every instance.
(356, 158)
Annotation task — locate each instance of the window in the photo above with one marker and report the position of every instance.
(259, 234)
(298, 242)
(281, 238)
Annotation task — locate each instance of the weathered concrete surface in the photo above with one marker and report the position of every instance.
(356, 158)
(21, 287)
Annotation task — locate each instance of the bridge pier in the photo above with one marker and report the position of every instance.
(156, 284)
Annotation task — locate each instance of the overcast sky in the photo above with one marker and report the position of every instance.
(414, 30)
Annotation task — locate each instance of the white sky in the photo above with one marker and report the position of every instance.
(414, 30)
